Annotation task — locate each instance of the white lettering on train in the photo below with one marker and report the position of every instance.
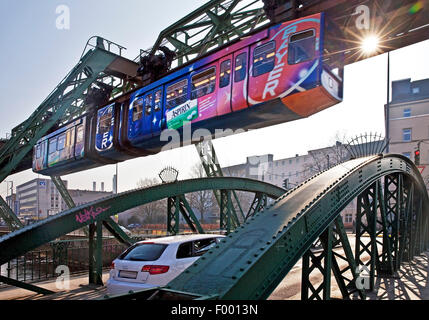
(272, 81)
(105, 140)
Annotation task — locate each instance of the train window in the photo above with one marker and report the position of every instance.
(177, 93)
(301, 47)
(203, 83)
(79, 135)
(157, 102)
(61, 142)
(225, 73)
(137, 109)
(38, 151)
(264, 58)
(240, 67)
(148, 104)
(52, 145)
(105, 123)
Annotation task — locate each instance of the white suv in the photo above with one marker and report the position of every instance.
(153, 263)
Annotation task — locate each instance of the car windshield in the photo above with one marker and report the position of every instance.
(144, 252)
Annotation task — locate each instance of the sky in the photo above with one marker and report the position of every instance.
(35, 56)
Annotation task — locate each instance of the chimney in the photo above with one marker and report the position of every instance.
(102, 186)
(94, 186)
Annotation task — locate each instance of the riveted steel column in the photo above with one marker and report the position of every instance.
(386, 257)
(394, 201)
(347, 286)
(189, 215)
(226, 222)
(312, 262)
(367, 210)
(173, 209)
(91, 265)
(259, 203)
(99, 254)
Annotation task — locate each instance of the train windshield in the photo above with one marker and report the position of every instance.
(333, 54)
(137, 109)
(105, 122)
(302, 47)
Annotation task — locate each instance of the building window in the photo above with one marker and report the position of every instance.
(406, 134)
(407, 113)
(348, 218)
(416, 90)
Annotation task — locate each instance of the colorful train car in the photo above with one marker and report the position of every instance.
(282, 73)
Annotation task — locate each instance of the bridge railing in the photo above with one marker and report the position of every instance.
(41, 264)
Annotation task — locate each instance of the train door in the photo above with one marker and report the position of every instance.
(239, 85)
(79, 150)
(157, 112)
(53, 154)
(146, 120)
(263, 81)
(178, 108)
(39, 158)
(225, 85)
(203, 92)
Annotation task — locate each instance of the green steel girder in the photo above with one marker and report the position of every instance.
(9, 216)
(24, 285)
(30, 237)
(250, 262)
(175, 206)
(333, 236)
(110, 225)
(210, 163)
(214, 24)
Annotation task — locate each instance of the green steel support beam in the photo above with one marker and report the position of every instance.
(321, 263)
(30, 237)
(26, 286)
(99, 254)
(189, 215)
(214, 24)
(386, 258)
(110, 225)
(25, 136)
(250, 262)
(173, 210)
(8, 216)
(210, 162)
(347, 285)
(95, 253)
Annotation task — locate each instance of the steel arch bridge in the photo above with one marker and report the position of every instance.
(99, 212)
(392, 209)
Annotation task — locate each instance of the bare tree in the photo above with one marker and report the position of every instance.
(153, 212)
(203, 201)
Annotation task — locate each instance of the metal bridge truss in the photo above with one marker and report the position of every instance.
(97, 68)
(392, 227)
(98, 213)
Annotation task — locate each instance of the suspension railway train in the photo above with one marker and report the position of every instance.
(281, 73)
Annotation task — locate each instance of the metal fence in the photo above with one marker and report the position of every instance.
(41, 264)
